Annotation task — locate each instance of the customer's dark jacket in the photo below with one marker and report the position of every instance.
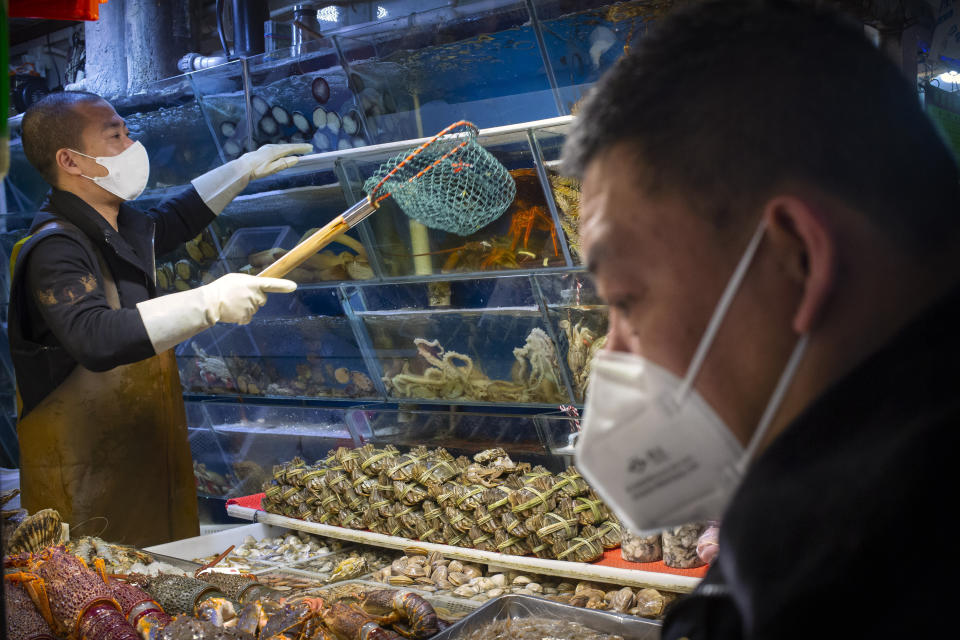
(59, 314)
(845, 527)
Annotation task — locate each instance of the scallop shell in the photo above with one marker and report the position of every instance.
(42, 529)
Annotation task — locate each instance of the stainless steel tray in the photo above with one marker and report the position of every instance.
(517, 606)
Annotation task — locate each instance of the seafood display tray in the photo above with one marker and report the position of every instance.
(517, 606)
(562, 568)
(214, 543)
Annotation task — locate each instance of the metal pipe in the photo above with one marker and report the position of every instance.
(197, 62)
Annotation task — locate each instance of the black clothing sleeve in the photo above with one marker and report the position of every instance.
(66, 290)
(178, 219)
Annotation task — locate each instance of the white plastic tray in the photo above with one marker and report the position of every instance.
(575, 570)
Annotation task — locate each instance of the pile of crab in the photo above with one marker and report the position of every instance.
(53, 594)
(490, 503)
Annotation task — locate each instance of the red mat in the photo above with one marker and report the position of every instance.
(611, 558)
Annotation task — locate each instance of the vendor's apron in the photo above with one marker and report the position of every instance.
(110, 450)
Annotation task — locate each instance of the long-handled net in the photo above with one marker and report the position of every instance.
(449, 182)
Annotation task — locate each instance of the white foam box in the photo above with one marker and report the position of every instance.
(214, 543)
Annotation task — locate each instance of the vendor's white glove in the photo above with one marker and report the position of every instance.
(221, 185)
(235, 297)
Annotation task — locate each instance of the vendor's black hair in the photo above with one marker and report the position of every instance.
(52, 124)
(723, 102)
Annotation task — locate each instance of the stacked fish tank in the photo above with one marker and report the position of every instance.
(421, 335)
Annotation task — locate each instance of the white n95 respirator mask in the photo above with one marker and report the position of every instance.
(652, 447)
(127, 172)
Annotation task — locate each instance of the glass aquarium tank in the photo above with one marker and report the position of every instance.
(475, 341)
(257, 436)
(309, 350)
(579, 319)
(460, 431)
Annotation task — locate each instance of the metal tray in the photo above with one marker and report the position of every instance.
(517, 606)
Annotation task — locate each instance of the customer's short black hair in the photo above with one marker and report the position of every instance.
(52, 124)
(726, 101)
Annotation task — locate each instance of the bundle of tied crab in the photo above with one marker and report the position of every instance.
(490, 503)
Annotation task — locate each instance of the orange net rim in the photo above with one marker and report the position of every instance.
(376, 199)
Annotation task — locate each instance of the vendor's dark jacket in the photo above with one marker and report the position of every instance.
(59, 315)
(845, 526)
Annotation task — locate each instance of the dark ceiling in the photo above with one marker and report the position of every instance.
(24, 29)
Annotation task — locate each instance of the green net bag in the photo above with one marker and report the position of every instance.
(450, 183)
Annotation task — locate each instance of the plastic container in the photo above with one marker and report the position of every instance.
(250, 240)
(637, 548)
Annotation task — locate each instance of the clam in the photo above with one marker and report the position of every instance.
(486, 584)
(398, 565)
(534, 587)
(499, 579)
(583, 585)
(620, 600)
(472, 571)
(455, 566)
(466, 590)
(593, 594)
(495, 593)
(518, 589)
(444, 585)
(650, 603)
(414, 571)
(439, 573)
(400, 581)
(456, 578)
(522, 581)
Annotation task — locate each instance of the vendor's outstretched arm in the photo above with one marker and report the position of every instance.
(235, 297)
(64, 286)
(70, 297)
(221, 185)
(181, 217)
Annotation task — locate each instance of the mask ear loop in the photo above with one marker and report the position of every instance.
(718, 314)
(83, 175)
(774, 403)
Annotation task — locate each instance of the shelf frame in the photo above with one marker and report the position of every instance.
(559, 568)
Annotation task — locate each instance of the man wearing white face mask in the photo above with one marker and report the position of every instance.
(101, 419)
(773, 222)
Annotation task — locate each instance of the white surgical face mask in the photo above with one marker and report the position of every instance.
(652, 447)
(127, 172)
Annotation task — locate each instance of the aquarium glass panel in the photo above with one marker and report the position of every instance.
(560, 430)
(476, 61)
(223, 104)
(462, 433)
(256, 229)
(308, 349)
(202, 368)
(168, 120)
(523, 237)
(579, 319)
(469, 341)
(565, 190)
(305, 98)
(584, 39)
(255, 437)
